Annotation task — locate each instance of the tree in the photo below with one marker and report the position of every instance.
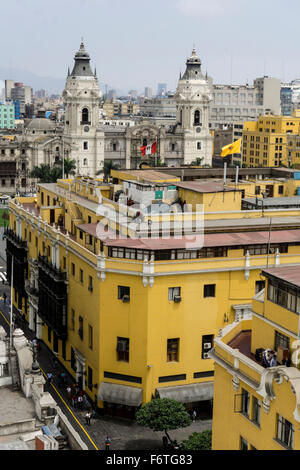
(107, 167)
(42, 173)
(198, 441)
(69, 166)
(45, 174)
(163, 414)
(197, 162)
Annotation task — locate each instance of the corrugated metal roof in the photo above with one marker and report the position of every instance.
(289, 274)
(210, 240)
(205, 187)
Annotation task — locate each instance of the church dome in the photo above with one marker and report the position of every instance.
(41, 124)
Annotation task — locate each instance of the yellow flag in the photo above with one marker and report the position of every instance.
(235, 147)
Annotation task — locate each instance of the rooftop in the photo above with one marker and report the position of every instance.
(209, 240)
(290, 274)
(205, 187)
(274, 201)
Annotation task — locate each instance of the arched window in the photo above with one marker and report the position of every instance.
(85, 116)
(197, 118)
(85, 161)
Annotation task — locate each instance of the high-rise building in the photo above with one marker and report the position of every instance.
(231, 103)
(22, 94)
(286, 97)
(7, 116)
(9, 84)
(161, 89)
(148, 92)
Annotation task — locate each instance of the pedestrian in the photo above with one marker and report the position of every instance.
(194, 415)
(88, 417)
(49, 378)
(74, 400)
(69, 392)
(63, 377)
(273, 362)
(80, 401)
(4, 298)
(107, 443)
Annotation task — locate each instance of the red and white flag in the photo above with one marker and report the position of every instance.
(148, 149)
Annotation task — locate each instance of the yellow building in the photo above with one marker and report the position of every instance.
(257, 407)
(113, 108)
(133, 317)
(265, 142)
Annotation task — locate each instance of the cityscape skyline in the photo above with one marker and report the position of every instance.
(243, 55)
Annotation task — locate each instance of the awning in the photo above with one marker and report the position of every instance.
(188, 393)
(120, 394)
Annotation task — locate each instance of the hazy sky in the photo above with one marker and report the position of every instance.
(138, 43)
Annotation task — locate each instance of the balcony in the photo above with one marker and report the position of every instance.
(52, 297)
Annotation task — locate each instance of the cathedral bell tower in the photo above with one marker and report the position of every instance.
(82, 100)
(193, 98)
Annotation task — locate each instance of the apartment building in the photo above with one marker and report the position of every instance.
(266, 141)
(125, 311)
(256, 407)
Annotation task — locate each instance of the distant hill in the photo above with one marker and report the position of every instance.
(52, 85)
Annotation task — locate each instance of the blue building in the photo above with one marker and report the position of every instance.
(286, 94)
(17, 109)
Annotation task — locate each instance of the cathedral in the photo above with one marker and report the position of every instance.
(89, 143)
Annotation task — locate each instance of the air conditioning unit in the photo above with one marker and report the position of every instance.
(177, 298)
(125, 298)
(207, 346)
(206, 356)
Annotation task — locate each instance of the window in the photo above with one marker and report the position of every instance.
(259, 285)
(90, 287)
(174, 293)
(85, 116)
(72, 319)
(49, 334)
(89, 219)
(80, 234)
(73, 269)
(90, 378)
(257, 190)
(280, 189)
(73, 359)
(207, 344)
(173, 350)
(123, 349)
(198, 145)
(85, 145)
(80, 329)
(64, 262)
(90, 337)
(256, 409)
(210, 290)
(124, 293)
(243, 444)
(197, 118)
(81, 275)
(245, 402)
(281, 340)
(285, 432)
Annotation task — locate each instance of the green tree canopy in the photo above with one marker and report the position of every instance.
(107, 167)
(69, 167)
(198, 441)
(163, 414)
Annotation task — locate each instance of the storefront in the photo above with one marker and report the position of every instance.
(196, 397)
(120, 400)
